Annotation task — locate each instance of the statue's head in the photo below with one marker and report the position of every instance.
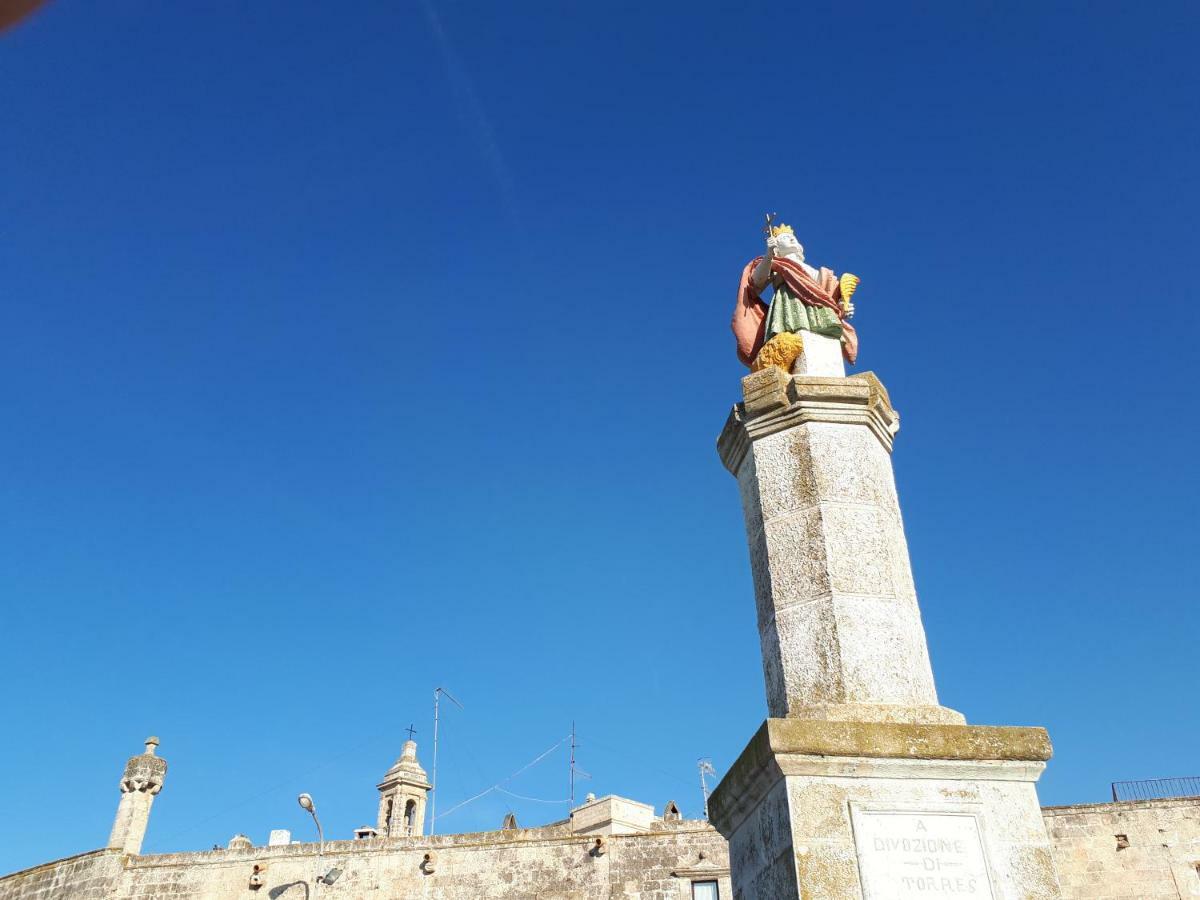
(786, 243)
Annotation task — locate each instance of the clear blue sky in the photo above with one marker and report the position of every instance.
(349, 354)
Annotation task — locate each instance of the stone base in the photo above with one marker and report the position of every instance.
(874, 712)
(886, 811)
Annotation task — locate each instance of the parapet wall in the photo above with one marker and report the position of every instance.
(1158, 857)
(82, 877)
(657, 865)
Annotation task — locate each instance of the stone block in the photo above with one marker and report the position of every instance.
(765, 391)
(884, 659)
(932, 775)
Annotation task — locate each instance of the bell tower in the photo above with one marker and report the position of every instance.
(402, 796)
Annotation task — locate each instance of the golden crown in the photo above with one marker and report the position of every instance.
(780, 229)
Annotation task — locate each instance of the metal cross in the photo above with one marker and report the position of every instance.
(411, 731)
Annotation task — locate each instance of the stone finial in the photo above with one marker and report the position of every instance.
(407, 768)
(145, 772)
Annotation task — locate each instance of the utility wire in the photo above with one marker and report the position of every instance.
(532, 799)
(498, 785)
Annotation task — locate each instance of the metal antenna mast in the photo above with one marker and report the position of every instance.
(437, 696)
(573, 745)
(576, 772)
(706, 768)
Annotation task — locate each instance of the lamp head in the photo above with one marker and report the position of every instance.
(306, 802)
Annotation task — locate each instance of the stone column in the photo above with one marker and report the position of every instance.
(837, 611)
(860, 785)
(140, 784)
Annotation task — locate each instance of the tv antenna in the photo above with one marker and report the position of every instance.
(706, 768)
(437, 697)
(575, 770)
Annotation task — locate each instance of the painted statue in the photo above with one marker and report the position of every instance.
(806, 301)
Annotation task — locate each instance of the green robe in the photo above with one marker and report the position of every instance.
(788, 313)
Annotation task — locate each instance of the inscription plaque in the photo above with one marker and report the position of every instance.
(920, 855)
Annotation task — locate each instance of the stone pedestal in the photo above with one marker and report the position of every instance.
(860, 785)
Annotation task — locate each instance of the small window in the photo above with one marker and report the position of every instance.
(704, 890)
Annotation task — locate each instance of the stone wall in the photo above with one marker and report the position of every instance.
(497, 865)
(82, 877)
(1159, 861)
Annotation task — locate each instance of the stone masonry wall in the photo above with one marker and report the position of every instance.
(502, 865)
(1161, 861)
(82, 877)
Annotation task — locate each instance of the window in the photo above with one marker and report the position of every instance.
(410, 816)
(704, 890)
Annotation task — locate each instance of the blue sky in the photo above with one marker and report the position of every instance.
(349, 355)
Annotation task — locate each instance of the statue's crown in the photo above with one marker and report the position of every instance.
(781, 229)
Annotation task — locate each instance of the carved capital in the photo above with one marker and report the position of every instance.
(775, 402)
(144, 774)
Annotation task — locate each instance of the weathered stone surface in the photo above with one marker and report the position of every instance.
(836, 606)
(88, 876)
(403, 793)
(765, 391)
(140, 783)
(857, 400)
(612, 815)
(500, 865)
(1158, 862)
(1159, 859)
(761, 852)
(829, 769)
(778, 737)
(856, 728)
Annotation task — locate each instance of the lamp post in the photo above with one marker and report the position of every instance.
(306, 803)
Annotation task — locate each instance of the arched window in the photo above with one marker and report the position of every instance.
(387, 817)
(410, 816)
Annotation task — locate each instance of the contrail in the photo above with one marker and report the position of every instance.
(476, 119)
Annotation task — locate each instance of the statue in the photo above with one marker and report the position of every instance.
(806, 301)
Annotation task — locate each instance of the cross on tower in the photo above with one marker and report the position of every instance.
(411, 731)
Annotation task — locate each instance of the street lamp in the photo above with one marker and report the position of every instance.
(306, 803)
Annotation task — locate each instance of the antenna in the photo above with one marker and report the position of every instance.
(573, 746)
(437, 696)
(575, 770)
(706, 768)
